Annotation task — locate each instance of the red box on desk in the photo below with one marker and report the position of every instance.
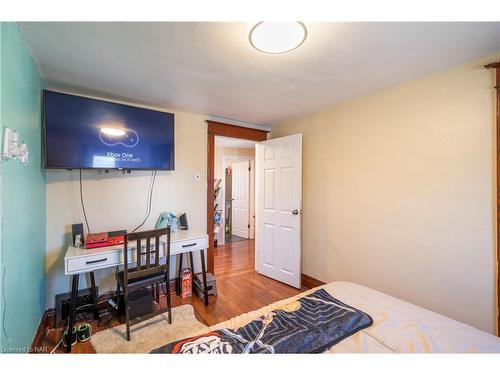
(103, 239)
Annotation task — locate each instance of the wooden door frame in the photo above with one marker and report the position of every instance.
(496, 66)
(224, 130)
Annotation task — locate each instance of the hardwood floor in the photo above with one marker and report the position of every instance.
(239, 290)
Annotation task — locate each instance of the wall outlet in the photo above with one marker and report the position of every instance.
(197, 176)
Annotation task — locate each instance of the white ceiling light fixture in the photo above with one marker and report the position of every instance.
(277, 37)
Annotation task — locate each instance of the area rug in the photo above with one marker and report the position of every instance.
(150, 334)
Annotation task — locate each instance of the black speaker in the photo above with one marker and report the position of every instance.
(140, 303)
(77, 229)
(183, 221)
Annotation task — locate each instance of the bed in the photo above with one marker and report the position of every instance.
(398, 326)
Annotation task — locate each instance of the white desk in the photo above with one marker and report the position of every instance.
(80, 260)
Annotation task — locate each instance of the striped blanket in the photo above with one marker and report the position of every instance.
(311, 324)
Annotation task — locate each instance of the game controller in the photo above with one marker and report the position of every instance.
(129, 138)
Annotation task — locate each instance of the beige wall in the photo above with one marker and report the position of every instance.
(118, 201)
(398, 193)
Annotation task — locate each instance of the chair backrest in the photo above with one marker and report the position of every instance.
(144, 266)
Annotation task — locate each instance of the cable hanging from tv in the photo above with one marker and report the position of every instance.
(83, 204)
(150, 199)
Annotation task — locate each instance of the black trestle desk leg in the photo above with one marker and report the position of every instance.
(72, 311)
(94, 295)
(204, 272)
(178, 284)
(191, 263)
(167, 285)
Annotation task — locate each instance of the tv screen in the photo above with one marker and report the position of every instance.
(85, 133)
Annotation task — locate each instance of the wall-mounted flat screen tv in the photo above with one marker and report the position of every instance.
(86, 133)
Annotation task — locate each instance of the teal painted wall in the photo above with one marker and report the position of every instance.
(1, 257)
(22, 192)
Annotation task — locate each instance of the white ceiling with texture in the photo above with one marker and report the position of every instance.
(210, 68)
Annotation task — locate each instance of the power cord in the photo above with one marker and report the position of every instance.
(78, 339)
(4, 301)
(59, 343)
(150, 199)
(83, 204)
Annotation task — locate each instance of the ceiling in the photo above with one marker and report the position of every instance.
(210, 68)
(233, 142)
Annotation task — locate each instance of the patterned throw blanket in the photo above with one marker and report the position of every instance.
(312, 324)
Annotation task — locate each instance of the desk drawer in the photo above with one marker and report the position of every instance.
(188, 245)
(92, 262)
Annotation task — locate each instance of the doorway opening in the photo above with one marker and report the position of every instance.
(214, 216)
(277, 197)
(234, 172)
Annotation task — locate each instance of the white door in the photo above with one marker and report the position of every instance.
(278, 169)
(241, 198)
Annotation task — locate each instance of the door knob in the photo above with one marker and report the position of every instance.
(295, 212)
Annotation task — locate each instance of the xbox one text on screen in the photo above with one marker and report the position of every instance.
(86, 133)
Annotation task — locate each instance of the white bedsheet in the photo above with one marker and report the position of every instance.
(398, 326)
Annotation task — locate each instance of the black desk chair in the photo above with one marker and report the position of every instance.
(147, 272)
